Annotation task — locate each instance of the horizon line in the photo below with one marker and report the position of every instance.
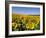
(25, 14)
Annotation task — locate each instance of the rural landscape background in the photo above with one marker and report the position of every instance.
(25, 18)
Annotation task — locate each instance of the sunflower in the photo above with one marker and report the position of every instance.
(30, 26)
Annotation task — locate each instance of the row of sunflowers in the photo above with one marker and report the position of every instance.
(25, 22)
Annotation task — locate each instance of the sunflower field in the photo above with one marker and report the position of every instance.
(25, 22)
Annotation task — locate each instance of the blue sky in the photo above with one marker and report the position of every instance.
(26, 10)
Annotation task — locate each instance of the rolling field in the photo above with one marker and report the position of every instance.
(21, 22)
